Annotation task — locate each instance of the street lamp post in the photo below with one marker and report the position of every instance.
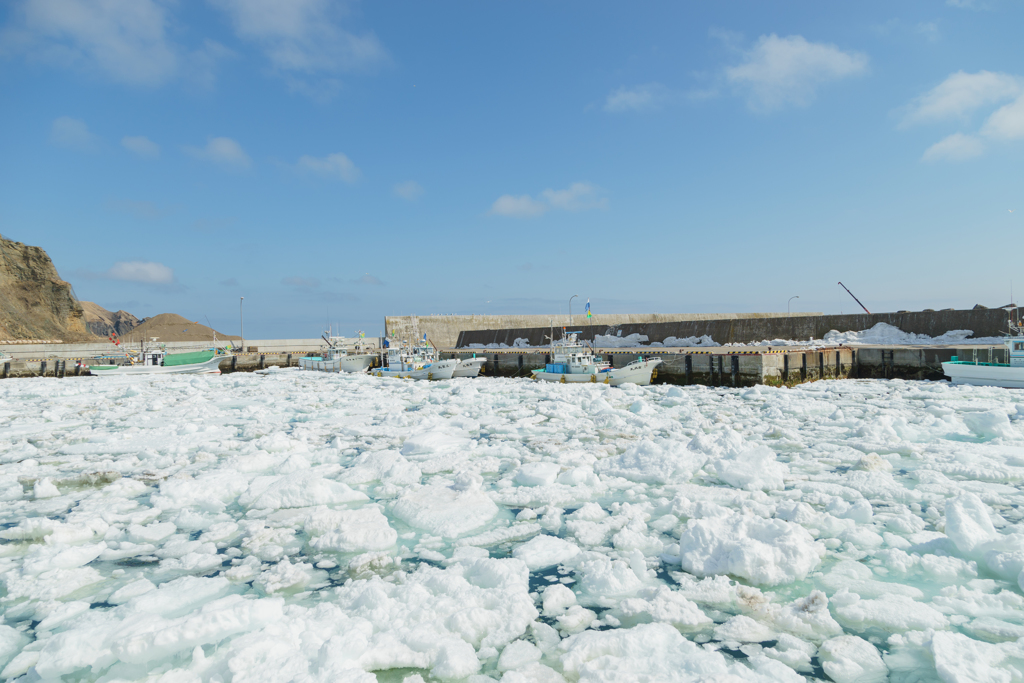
(241, 321)
(570, 308)
(788, 302)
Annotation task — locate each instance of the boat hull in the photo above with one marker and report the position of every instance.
(469, 367)
(985, 375)
(210, 367)
(637, 372)
(442, 369)
(354, 363)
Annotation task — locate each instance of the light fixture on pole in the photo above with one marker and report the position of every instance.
(570, 308)
(241, 322)
(790, 301)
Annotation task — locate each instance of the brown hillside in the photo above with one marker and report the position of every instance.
(170, 327)
(34, 302)
(102, 322)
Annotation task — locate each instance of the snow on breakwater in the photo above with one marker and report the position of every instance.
(315, 527)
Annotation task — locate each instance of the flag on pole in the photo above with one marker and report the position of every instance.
(588, 308)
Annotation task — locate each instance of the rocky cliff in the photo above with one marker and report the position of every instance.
(102, 322)
(34, 302)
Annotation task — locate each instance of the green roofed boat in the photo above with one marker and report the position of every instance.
(159, 362)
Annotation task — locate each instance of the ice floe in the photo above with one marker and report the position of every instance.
(311, 528)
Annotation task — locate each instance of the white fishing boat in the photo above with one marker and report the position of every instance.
(572, 361)
(988, 374)
(338, 358)
(156, 361)
(469, 367)
(415, 362)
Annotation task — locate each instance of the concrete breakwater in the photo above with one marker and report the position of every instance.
(729, 367)
(445, 330)
(742, 367)
(987, 322)
(63, 367)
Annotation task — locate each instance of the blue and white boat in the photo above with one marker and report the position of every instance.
(415, 362)
(573, 362)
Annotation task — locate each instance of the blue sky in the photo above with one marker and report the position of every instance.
(347, 161)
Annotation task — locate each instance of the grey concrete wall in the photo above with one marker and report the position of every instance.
(444, 330)
(983, 322)
(43, 351)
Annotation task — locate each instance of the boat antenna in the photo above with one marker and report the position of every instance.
(855, 298)
(210, 325)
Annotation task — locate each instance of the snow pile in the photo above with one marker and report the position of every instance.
(885, 334)
(519, 343)
(315, 527)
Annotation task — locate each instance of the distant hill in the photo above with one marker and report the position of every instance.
(102, 322)
(170, 327)
(34, 302)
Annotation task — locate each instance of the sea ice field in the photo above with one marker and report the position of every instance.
(313, 527)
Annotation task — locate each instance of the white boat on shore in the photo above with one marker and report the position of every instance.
(336, 358)
(1009, 375)
(469, 367)
(159, 362)
(419, 362)
(573, 362)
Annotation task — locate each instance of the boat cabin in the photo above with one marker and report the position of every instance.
(1015, 351)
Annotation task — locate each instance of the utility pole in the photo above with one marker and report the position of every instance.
(570, 308)
(790, 301)
(241, 322)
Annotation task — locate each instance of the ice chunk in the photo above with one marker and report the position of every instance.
(743, 629)
(893, 613)
(537, 473)
(968, 523)
(661, 603)
(45, 488)
(649, 652)
(763, 551)
(990, 425)
(753, 469)
(518, 654)
(445, 511)
(300, 489)
(654, 463)
(849, 659)
(959, 658)
(349, 531)
(545, 551)
(557, 599)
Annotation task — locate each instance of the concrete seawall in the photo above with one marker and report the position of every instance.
(983, 322)
(741, 367)
(444, 330)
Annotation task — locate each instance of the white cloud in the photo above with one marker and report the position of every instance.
(577, 197)
(72, 134)
(141, 145)
(522, 206)
(638, 98)
(302, 37)
(146, 272)
(1007, 122)
(961, 94)
(410, 190)
(956, 147)
(333, 165)
(224, 151)
(124, 39)
(967, 4)
(786, 71)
